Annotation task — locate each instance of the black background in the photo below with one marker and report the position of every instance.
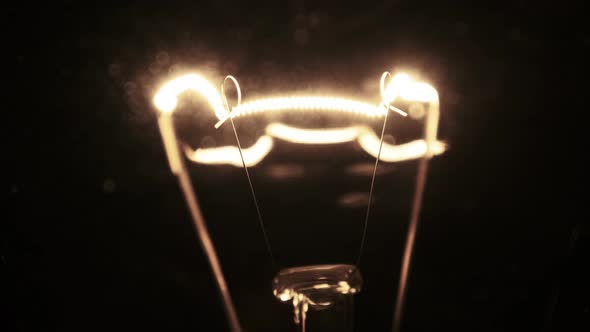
(96, 235)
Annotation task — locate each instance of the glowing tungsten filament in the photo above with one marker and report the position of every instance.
(308, 103)
(401, 85)
(399, 152)
(362, 134)
(312, 136)
(167, 97)
(230, 154)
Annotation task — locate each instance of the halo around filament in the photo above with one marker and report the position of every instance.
(400, 85)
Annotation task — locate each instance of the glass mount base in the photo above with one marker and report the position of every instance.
(316, 287)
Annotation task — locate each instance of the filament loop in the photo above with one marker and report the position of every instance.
(385, 103)
(229, 109)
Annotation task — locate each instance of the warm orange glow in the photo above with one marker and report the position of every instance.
(230, 155)
(403, 86)
(364, 135)
(312, 103)
(321, 286)
(167, 97)
(369, 141)
(400, 86)
(312, 136)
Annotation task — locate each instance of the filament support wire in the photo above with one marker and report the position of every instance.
(254, 198)
(366, 223)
